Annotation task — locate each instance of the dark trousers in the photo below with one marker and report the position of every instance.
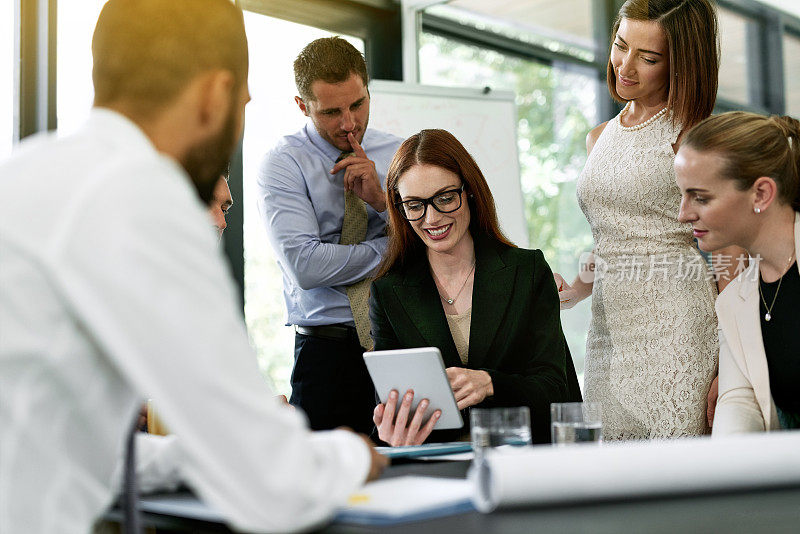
(331, 384)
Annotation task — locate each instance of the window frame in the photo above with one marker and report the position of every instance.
(378, 23)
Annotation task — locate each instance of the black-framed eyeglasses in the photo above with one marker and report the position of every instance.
(444, 202)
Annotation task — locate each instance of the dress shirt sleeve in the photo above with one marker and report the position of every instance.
(293, 229)
(146, 279)
(542, 379)
(737, 409)
(158, 460)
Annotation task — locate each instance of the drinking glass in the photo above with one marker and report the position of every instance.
(575, 422)
(497, 427)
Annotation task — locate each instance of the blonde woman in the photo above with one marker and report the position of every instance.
(738, 174)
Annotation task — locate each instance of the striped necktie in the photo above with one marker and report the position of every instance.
(354, 230)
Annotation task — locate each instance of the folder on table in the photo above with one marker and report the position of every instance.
(428, 449)
(409, 498)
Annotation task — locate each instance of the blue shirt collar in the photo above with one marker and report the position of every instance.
(317, 140)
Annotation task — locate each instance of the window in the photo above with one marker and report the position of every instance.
(566, 21)
(271, 114)
(564, 26)
(7, 79)
(556, 109)
(791, 73)
(74, 95)
(733, 36)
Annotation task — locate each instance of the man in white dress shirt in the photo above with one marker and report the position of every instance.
(113, 287)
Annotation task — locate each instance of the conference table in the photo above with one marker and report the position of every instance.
(764, 510)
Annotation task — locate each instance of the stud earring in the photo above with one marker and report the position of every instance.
(757, 210)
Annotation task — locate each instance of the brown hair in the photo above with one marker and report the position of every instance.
(330, 59)
(442, 149)
(753, 146)
(691, 30)
(145, 52)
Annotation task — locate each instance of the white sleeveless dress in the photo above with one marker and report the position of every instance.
(652, 348)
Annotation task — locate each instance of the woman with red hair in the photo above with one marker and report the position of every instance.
(452, 280)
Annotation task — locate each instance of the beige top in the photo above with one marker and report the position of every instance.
(459, 329)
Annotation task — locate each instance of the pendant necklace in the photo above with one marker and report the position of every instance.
(768, 315)
(452, 300)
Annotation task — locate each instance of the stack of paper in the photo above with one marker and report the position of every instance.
(583, 472)
(408, 498)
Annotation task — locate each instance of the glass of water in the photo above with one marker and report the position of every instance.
(575, 422)
(498, 427)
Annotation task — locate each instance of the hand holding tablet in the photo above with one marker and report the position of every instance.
(415, 393)
(395, 428)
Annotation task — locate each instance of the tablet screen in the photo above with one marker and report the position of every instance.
(421, 370)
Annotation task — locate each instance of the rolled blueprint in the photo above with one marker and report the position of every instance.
(591, 472)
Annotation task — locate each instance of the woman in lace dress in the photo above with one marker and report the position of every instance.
(651, 353)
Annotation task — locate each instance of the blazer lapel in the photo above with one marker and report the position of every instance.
(749, 325)
(491, 295)
(419, 297)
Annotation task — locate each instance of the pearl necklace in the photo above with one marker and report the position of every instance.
(641, 125)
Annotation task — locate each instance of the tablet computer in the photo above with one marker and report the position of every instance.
(419, 369)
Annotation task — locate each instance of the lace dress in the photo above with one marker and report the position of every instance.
(652, 348)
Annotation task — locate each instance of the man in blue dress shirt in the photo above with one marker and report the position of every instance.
(331, 171)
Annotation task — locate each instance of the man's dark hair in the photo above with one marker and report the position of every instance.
(330, 59)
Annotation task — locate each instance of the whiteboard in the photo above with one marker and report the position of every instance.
(484, 121)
